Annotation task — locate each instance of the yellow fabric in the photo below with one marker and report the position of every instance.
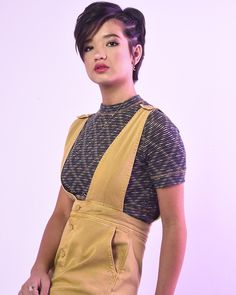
(102, 247)
(74, 131)
(111, 177)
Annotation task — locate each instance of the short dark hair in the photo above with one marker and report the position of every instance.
(97, 13)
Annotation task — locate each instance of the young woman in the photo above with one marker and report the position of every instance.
(123, 168)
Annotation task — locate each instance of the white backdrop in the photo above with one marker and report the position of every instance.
(188, 72)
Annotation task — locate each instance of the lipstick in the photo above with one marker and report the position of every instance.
(101, 68)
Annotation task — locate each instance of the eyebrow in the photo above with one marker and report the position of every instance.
(111, 35)
(105, 37)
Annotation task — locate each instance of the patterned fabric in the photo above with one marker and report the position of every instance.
(160, 159)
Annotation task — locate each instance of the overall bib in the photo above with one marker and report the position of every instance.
(101, 249)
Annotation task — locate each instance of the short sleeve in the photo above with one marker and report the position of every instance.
(165, 152)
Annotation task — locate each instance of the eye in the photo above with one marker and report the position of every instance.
(112, 43)
(88, 48)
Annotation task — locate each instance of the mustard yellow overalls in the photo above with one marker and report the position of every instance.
(102, 247)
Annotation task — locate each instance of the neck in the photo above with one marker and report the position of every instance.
(116, 94)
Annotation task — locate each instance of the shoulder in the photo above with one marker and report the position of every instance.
(158, 124)
(161, 137)
(78, 124)
(80, 120)
(84, 116)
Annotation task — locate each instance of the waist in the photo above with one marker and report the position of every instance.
(102, 213)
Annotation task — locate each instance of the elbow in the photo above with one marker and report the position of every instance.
(175, 231)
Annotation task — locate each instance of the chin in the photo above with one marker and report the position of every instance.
(105, 82)
(110, 82)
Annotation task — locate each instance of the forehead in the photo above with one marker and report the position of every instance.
(110, 27)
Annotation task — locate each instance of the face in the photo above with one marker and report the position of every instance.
(107, 58)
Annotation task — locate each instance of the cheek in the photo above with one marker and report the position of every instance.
(86, 63)
(123, 59)
(87, 66)
(125, 63)
(88, 59)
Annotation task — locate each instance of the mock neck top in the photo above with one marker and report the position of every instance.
(159, 162)
(122, 105)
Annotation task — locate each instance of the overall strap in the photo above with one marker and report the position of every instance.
(112, 175)
(73, 133)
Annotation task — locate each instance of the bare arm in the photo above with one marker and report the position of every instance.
(39, 274)
(171, 202)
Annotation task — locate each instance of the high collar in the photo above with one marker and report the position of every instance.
(122, 105)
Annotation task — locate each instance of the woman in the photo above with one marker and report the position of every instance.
(123, 167)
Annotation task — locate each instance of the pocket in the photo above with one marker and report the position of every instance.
(119, 249)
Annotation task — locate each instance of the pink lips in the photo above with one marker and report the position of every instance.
(100, 68)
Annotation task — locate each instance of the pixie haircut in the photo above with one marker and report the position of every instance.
(97, 13)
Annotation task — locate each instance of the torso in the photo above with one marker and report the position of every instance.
(96, 136)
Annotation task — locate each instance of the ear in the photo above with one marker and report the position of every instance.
(137, 53)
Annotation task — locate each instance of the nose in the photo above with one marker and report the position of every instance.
(99, 54)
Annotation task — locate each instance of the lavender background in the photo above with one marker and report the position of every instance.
(188, 72)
